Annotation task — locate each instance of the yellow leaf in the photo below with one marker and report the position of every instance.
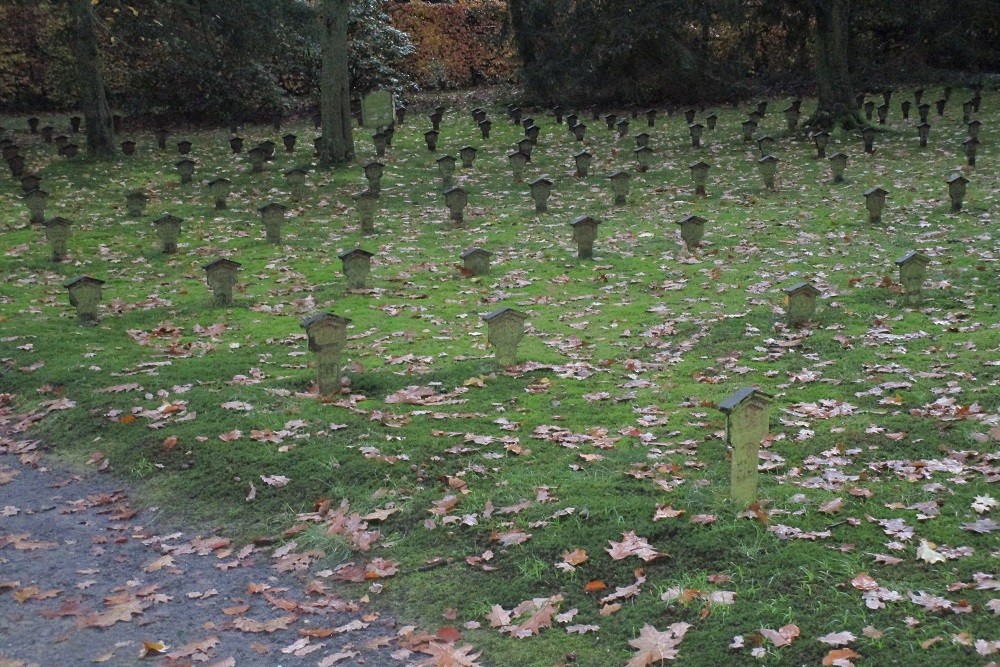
(152, 648)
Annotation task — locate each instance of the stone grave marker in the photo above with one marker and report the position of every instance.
(918, 95)
(168, 228)
(33, 125)
(749, 127)
(435, 119)
(128, 147)
(288, 141)
(766, 145)
(622, 126)
(791, 118)
(69, 151)
(541, 188)
(939, 105)
(357, 264)
(468, 155)
(644, 156)
(47, 133)
(912, 272)
(650, 117)
(748, 414)
(956, 190)
(610, 119)
(923, 111)
(695, 130)
(838, 163)
(883, 113)
(273, 215)
(268, 147)
(504, 331)
(400, 114)
(61, 141)
(971, 146)
(161, 134)
(642, 139)
(365, 201)
(868, 136)
(699, 173)
(85, 295)
(886, 96)
(869, 109)
(57, 234)
(515, 114)
(762, 108)
(526, 147)
(558, 111)
(135, 203)
(974, 126)
(689, 116)
(579, 131)
(35, 201)
(258, 156)
(875, 203)
(619, 185)
(904, 106)
(518, 161)
(532, 133)
(479, 115)
(476, 261)
(571, 120)
(186, 169)
(296, 180)
(431, 139)
(327, 336)
(585, 233)
(236, 145)
(74, 124)
(821, 139)
(711, 120)
(184, 147)
(800, 303)
(373, 174)
(380, 143)
(220, 274)
(582, 161)
(219, 189)
(923, 132)
(456, 200)
(692, 231)
(485, 127)
(446, 168)
(16, 165)
(768, 167)
(30, 182)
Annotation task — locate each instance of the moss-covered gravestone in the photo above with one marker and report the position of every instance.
(85, 295)
(650, 117)
(749, 126)
(366, 201)
(699, 173)
(711, 120)
(47, 133)
(135, 203)
(257, 156)
(766, 145)
(558, 111)
(923, 111)
(268, 147)
(327, 335)
(380, 143)
(912, 272)
(644, 158)
(768, 168)
(161, 137)
(456, 199)
(791, 118)
(69, 151)
(868, 137)
(400, 114)
(974, 126)
(128, 147)
(478, 115)
(619, 186)
(689, 116)
(531, 133)
(357, 264)
(30, 182)
(288, 141)
(168, 228)
(747, 413)
(504, 331)
(446, 168)
(585, 233)
(518, 161)
(220, 274)
(821, 139)
(918, 95)
(273, 215)
(541, 188)
(582, 161)
(219, 189)
(838, 163)
(16, 165)
(431, 139)
(875, 203)
(35, 201)
(186, 169)
(642, 139)
(296, 180)
(967, 111)
(923, 132)
(579, 131)
(57, 234)
(236, 145)
(695, 130)
(373, 174)
(956, 190)
(622, 127)
(571, 120)
(971, 147)
(61, 142)
(468, 155)
(476, 261)
(525, 146)
(692, 230)
(184, 147)
(611, 119)
(435, 119)
(485, 127)
(800, 303)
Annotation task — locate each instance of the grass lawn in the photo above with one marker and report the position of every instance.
(465, 489)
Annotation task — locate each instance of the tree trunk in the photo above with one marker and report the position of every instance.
(337, 146)
(93, 102)
(836, 104)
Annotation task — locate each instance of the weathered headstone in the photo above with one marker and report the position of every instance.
(904, 106)
(644, 156)
(431, 139)
(689, 116)
(357, 265)
(446, 168)
(886, 96)
(236, 145)
(168, 228)
(923, 132)
(220, 274)
(694, 129)
(883, 113)
(69, 151)
(186, 170)
(47, 133)
(838, 163)
(268, 147)
(327, 335)
(711, 120)
(30, 182)
(219, 189)
(16, 165)
(800, 303)
(766, 145)
(288, 141)
(650, 117)
(476, 261)
(435, 119)
(296, 180)
(768, 168)
(971, 146)
(35, 201)
(526, 146)
(973, 127)
(791, 118)
(956, 191)
(85, 295)
(939, 105)
(585, 233)
(74, 124)
(699, 173)
(923, 111)
(875, 203)
(912, 272)
(258, 156)
(380, 143)
(610, 119)
(642, 139)
(541, 188)
(762, 108)
(558, 111)
(571, 120)
(518, 161)
(869, 109)
(184, 147)
(504, 331)
(747, 413)
(821, 139)
(57, 234)
(868, 137)
(33, 125)
(400, 114)
(619, 186)
(515, 114)
(531, 132)
(692, 230)
(373, 174)
(485, 127)
(365, 201)
(135, 203)
(128, 147)
(456, 200)
(273, 215)
(468, 155)
(161, 137)
(622, 127)
(918, 95)
(582, 161)
(749, 127)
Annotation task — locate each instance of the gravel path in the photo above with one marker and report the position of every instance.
(85, 579)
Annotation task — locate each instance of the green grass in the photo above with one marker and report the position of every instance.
(636, 347)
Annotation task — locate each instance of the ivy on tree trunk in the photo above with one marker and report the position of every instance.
(93, 102)
(337, 146)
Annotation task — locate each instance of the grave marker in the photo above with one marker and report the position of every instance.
(875, 203)
(168, 228)
(128, 147)
(365, 202)
(35, 201)
(912, 272)
(699, 172)
(456, 199)
(373, 174)
(695, 129)
(186, 169)
(821, 139)
(431, 139)
(357, 264)
(85, 295)
(220, 274)
(747, 413)
(236, 145)
(57, 234)
(135, 203)
(692, 230)
(579, 131)
(327, 336)
(923, 132)
(956, 191)
(971, 146)
(582, 161)
(768, 167)
(273, 215)
(541, 188)
(800, 303)
(446, 168)
(585, 233)
(288, 141)
(505, 329)
(838, 163)
(518, 161)
(468, 155)
(619, 185)
(476, 261)
(644, 156)
(296, 180)
(219, 188)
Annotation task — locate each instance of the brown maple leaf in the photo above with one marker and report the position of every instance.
(122, 612)
(449, 655)
(653, 645)
(633, 545)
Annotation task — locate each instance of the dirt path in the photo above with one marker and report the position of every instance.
(85, 579)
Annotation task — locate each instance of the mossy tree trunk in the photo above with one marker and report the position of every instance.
(337, 146)
(836, 98)
(93, 102)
